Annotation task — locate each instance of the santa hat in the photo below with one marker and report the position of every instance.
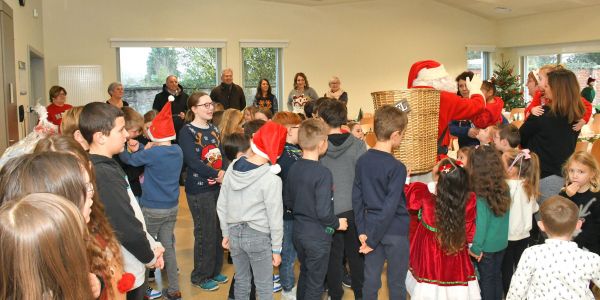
(162, 128)
(426, 70)
(268, 143)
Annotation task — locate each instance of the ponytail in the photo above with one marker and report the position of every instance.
(528, 165)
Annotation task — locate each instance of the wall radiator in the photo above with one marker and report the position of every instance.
(83, 84)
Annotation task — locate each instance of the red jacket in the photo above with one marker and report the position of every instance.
(454, 107)
(491, 115)
(539, 99)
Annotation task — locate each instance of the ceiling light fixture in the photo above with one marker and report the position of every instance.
(502, 10)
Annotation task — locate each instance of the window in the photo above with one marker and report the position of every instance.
(584, 65)
(478, 62)
(259, 63)
(143, 71)
(533, 63)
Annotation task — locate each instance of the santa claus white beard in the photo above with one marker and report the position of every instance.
(443, 84)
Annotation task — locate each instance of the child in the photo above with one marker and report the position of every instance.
(263, 114)
(440, 267)
(103, 127)
(309, 193)
(148, 117)
(250, 211)
(249, 112)
(199, 141)
(506, 137)
(492, 114)
(493, 202)
(380, 208)
(342, 153)
(486, 135)
(36, 232)
(556, 269)
(291, 154)
(356, 130)
(134, 124)
(69, 126)
(231, 122)
(463, 154)
(582, 186)
(523, 178)
(160, 199)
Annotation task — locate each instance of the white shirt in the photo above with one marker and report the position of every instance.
(555, 270)
(521, 211)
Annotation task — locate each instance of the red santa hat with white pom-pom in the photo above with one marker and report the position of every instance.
(268, 143)
(426, 70)
(162, 128)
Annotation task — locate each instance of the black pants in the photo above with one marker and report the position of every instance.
(512, 255)
(345, 242)
(138, 293)
(490, 275)
(313, 255)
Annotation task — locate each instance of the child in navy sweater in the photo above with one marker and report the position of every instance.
(160, 197)
(379, 206)
(311, 199)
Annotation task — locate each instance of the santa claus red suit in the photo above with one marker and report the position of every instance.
(432, 74)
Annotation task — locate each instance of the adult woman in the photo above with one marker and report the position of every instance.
(36, 231)
(301, 94)
(463, 129)
(551, 135)
(58, 97)
(335, 92)
(264, 98)
(116, 91)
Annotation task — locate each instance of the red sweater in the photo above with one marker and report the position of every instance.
(55, 112)
(539, 99)
(491, 115)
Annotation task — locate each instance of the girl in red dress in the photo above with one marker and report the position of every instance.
(439, 266)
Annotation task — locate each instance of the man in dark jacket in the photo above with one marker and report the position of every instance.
(228, 93)
(179, 105)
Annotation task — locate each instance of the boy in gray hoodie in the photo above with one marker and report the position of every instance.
(250, 210)
(341, 157)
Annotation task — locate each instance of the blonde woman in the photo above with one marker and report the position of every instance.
(335, 90)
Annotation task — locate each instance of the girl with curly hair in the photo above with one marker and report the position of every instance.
(493, 202)
(439, 266)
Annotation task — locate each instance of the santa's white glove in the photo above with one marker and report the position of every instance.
(474, 85)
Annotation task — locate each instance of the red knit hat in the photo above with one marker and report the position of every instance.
(425, 69)
(268, 142)
(162, 128)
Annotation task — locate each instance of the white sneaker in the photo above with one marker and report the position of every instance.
(291, 295)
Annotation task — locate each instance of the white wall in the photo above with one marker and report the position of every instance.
(28, 33)
(369, 46)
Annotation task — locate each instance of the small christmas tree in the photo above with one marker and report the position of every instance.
(508, 86)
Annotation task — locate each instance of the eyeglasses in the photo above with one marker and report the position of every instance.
(206, 105)
(89, 188)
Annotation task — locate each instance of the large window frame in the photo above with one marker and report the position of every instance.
(485, 54)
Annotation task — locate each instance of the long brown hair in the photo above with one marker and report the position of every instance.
(231, 122)
(488, 178)
(566, 101)
(528, 166)
(452, 194)
(98, 225)
(43, 251)
(192, 101)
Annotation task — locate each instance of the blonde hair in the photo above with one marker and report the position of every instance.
(43, 250)
(586, 159)
(311, 133)
(133, 119)
(70, 121)
(529, 170)
(231, 122)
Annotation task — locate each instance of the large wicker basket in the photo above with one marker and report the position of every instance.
(418, 150)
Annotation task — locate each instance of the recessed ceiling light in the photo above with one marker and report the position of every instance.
(502, 10)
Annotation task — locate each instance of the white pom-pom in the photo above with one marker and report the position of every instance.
(275, 169)
(171, 98)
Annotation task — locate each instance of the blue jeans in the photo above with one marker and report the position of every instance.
(394, 249)
(313, 255)
(208, 252)
(288, 257)
(251, 248)
(490, 275)
(160, 223)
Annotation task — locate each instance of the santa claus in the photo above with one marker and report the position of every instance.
(432, 74)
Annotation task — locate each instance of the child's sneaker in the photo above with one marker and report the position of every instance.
(221, 278)
(347, 280)
(289, 295)
(171, 296)
(152, 294)
(276, 278)
(208, 285)
(276, 287)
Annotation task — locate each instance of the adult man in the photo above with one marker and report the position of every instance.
(228, 93)
(178, 106)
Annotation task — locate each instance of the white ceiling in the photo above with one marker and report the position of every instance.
(484, 8)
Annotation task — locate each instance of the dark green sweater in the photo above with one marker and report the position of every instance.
(491, 231)
(588, 93)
